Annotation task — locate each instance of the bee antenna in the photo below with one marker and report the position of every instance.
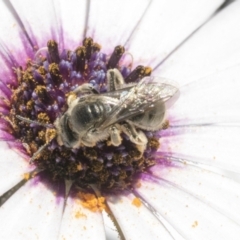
(34, 122)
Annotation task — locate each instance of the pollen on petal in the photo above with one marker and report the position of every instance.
(26, 176)
(136, 202)
(195, 224)
(91, 202)
(79, 214)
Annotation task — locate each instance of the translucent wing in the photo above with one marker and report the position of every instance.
(138, 99)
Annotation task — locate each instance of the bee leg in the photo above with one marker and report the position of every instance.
(115, 80)
(115, 136)
(86, 143)
(137, 137)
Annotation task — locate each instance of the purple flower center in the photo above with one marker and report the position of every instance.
(44, 85)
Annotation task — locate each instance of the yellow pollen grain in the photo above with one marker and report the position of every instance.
(41, 70)
(71, 95)
(30, 105)
(54, 69)
(79, 167)
(148, 71)
(91, 202)
(26, 176)
(43, 117)
(166, 124)
(41, 135)
(136, 202)
(6, 101)
(138, 184)
(78, 214)
(50, 134)
(195, 224)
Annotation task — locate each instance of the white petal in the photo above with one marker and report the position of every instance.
(13, 166)
(5, 70)
(80, 223)
(214, 99)
(33, 212)
(110, 228)
(39, 20)
(136, 221)
(165, 25)
(73, 19)
(13, 40)
(192, 218)
(112, 22)
(213, 146)
(214, 47)
(218, 191)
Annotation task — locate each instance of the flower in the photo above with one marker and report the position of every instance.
(189, 193)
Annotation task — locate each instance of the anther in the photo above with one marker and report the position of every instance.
(81, 58)
(96, 47)
(138, 73)
(42, 93)
(55, 74)
(88, 44)
(115, 57)
(53, 51)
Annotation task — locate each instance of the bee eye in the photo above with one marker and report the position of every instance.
(69, 136)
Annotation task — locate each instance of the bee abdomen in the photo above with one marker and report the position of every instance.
(85, 115)
(150, 120)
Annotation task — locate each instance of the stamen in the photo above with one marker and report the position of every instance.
(53, 51)
(88, 44)
(138, 73)
(42, 93)
(81, 58)
(96, 47)
(55, 73)
(115, 57)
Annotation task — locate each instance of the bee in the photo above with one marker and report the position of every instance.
(125, 108)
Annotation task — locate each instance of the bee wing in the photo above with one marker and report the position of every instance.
(118, 93)
(140, 98)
